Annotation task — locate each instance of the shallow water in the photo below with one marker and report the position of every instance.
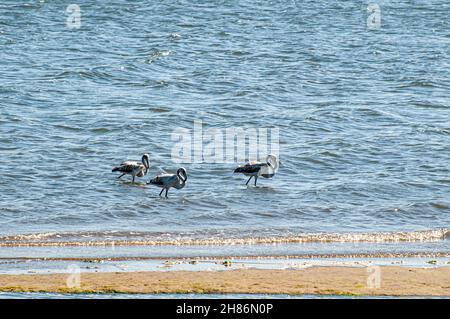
(148, 296)
(363, 118)
(158, 296)
(190, 296)
(209, 264)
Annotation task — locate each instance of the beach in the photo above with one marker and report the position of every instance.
(314, 270)
(349, 281)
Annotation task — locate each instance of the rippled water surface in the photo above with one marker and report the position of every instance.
(364, 116)
(27, 295)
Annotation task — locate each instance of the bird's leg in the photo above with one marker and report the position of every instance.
(248, 180)
(166, 191)
(133, 179)
(162, 190)
(256, 178)
(120, 176)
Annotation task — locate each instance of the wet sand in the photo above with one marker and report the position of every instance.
(395, 281)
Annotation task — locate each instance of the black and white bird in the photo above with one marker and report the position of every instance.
(257, 169)
(134, 168)
(167, 181)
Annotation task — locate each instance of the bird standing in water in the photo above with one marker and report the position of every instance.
(134, 168)
(257, 169)
(167, 181)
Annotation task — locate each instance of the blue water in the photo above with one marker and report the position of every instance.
(364, 116)
(179, 296)
(27, 295)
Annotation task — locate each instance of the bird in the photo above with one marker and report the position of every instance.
(134, 168)
(257, 169)
(166, 180)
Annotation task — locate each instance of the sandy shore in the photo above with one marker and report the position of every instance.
(399, 281)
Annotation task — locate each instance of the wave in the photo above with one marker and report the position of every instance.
(219, 257)
(152, 239)
(157, 54)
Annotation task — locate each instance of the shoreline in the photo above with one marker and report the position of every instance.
(376, 255)
(317, 280)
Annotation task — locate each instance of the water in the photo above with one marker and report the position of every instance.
(363, 118)
(26, 295)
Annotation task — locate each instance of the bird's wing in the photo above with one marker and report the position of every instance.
(249, 168)
(127, 167)
(170, 179)
(164, 179)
